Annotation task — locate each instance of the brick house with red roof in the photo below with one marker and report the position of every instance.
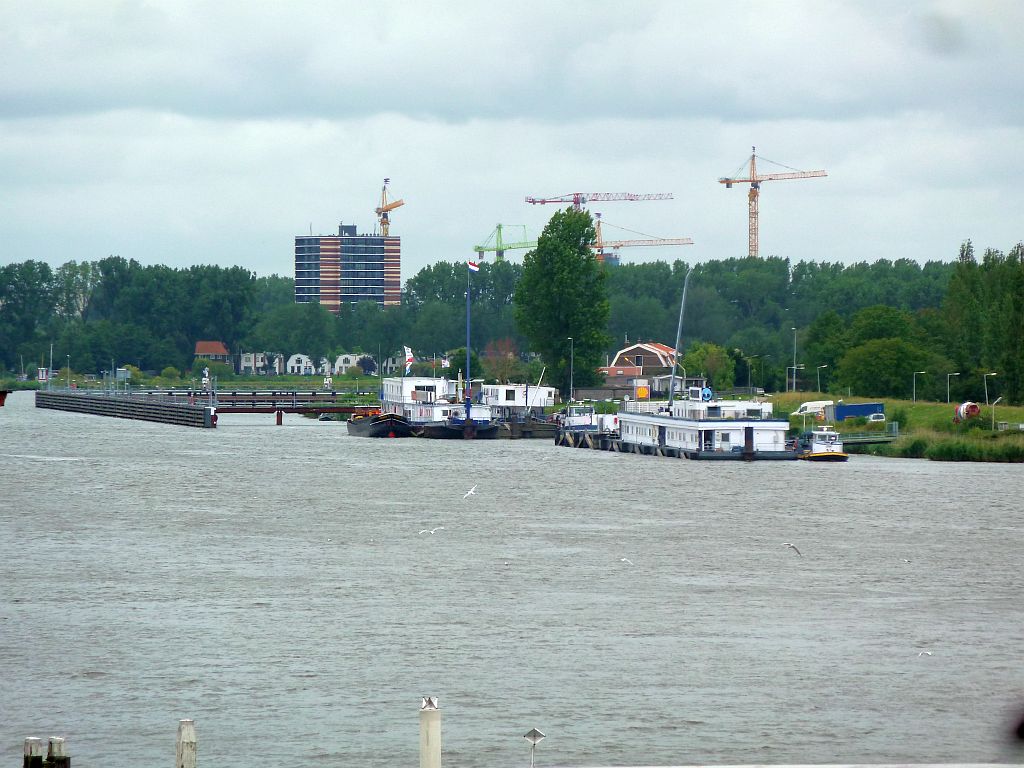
(213, 350)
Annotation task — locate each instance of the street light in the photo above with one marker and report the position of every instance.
(69, 372)
(915, 383)
(994, 412)
(985, 379)
(825, 365)
(794, 368)
(749, 359)
(794, 357)
(947, 383)
(572, 361)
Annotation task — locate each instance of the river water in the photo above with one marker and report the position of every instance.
(273, 584)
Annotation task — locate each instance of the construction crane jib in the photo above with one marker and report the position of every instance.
(385, 208)
(754, 179)
(579, 199)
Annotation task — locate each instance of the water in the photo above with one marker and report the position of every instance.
(272, 583)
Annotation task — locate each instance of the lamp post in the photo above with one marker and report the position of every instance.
(915, 384)
(69, 372)
(825, 365)
(994, 412)
(749, 360)
(572, 362)
(794, 357)
(947, 384)
(793, 368)
(985, 379)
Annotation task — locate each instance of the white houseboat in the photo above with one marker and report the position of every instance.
(702, 427)
(434, 407)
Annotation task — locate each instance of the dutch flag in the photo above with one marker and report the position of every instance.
(473, 266)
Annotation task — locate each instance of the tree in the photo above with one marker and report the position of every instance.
(711, 361)
(563, 294)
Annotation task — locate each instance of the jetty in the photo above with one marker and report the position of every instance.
(192, 408)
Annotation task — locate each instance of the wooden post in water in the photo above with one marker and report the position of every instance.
(185, 751)
(430, 733)
(57, 754)
(33, 752)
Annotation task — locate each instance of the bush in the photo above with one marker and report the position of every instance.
(170, 372)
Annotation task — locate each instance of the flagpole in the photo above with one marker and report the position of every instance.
(468, 378)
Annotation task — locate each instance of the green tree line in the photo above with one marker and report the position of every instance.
(864, 328)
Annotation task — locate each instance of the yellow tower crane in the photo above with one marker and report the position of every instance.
(385, 208)
(755, 180)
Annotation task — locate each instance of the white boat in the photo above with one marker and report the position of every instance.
(821, 444)
(434, 407)
(700, 426)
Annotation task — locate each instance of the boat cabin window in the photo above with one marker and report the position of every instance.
(580, 410)
(714, 412)
(510, 395)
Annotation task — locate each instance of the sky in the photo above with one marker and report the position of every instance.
(186, 132)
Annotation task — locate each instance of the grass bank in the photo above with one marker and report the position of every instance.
(927, 430)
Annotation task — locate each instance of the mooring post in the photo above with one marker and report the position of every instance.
(430, 733)
(33, 752)
(280, 418)
(185, 751)
(57, 754)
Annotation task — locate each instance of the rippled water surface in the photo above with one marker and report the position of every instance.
(273, 584)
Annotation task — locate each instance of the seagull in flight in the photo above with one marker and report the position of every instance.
(470, 492)
(924, 653)
(432, 531)
(625, 560)
(791, 546)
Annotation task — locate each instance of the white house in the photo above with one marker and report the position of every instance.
(300, 364)
(345, 361)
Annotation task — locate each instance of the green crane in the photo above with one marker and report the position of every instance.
(495, 242)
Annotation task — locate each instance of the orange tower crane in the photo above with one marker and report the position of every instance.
(385, 208)
(579, 199)
(755, 180)
(600, 243)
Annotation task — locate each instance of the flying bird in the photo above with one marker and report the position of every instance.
(625, 560)
(470, 492)
(925, 653)
(432, 530)
(791, 546)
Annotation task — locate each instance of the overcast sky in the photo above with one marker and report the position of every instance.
(185, 133)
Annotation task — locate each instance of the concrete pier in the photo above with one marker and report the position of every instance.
(126, 406)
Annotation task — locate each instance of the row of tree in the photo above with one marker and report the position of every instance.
(867, 328)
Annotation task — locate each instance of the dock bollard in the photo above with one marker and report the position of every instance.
(430, 733)
(185, 751)
(57, 754)
(33, 752)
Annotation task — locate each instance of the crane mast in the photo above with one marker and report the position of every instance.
(383, 210)
(754, 179)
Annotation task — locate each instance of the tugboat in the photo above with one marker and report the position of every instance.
(821, 444)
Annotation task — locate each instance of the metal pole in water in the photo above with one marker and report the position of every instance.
(185, 748)
(430, 733)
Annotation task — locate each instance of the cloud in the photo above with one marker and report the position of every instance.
(213, 132)
(461, 61)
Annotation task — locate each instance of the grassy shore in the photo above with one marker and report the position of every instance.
(927, 430)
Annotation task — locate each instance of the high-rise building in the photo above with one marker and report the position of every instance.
(348, 268)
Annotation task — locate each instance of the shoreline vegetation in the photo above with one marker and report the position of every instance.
(927, 430)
